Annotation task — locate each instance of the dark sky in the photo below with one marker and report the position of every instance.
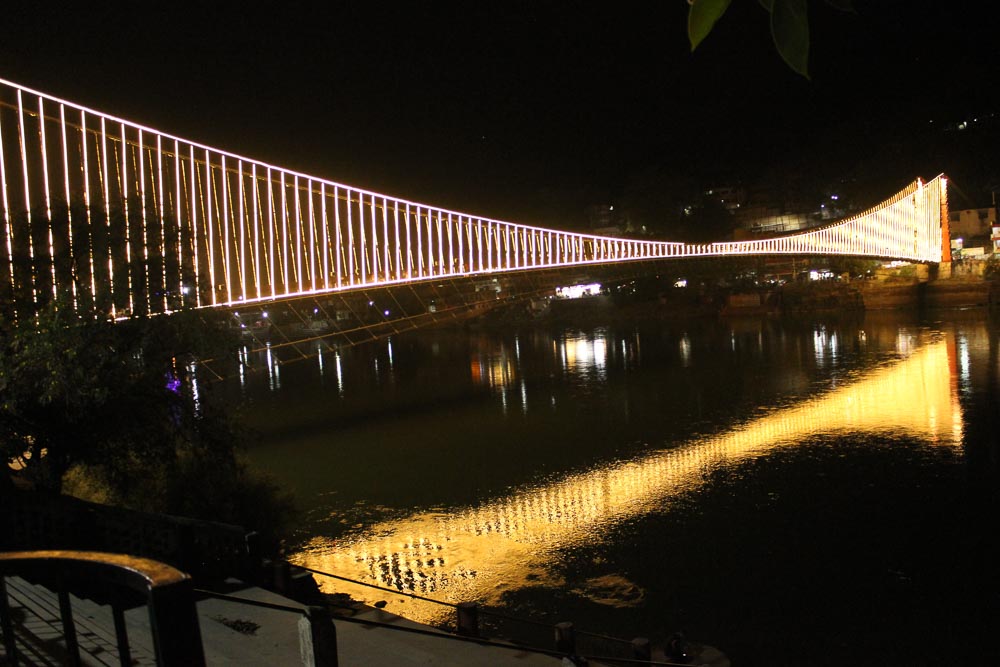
(523, 111)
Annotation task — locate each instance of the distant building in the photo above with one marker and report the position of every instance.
(768, 211)
(972, 222)
(974, 231)
(731, 197)
(603, 219)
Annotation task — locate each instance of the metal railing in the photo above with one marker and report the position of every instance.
(206, 550)
(565, 635)
(125, 582)
(317, 628)
(118, 580)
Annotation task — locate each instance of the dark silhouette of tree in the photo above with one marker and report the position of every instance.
(117, 402)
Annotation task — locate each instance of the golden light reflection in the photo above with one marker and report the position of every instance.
(481, 552)
(496, 372)
(580, 354)
(577, 354)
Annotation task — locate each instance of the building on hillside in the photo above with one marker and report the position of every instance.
(974, 228)
(604, 220)
(972, 222)
(731, 197)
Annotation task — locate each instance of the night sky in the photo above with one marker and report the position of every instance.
(533, 111)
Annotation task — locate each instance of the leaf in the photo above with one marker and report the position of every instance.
(790, 30)
(842, 5)
(767, 4)
(702, 17)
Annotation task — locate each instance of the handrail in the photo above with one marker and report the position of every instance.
(490, 612)
(482, 641)
(121, 581)
(468, 618)
(413, 596)
(317, 633)
(206, 550)
(124, 581)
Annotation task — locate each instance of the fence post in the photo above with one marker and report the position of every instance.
(69, 629)
(468, 619)
(121, 634)
(282, 576)
(317, 638)
(173, 622)
(565, 638)
(10, 644)
(253, 557)
(641, 649)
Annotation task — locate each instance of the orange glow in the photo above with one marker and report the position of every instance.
(480, 552)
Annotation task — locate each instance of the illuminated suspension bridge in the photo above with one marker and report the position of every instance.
(123, 219)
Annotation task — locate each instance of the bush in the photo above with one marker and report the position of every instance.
(108, 410)
(992, 270)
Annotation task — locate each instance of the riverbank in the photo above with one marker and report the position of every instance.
(800, 298)
(965, 292)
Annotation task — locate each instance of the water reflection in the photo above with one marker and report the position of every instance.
(478, 553)
(825, 347)
(496, 370)
(584, 356)
(273, 369)
(340, 374)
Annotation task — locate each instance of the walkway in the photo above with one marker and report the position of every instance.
(236, 634)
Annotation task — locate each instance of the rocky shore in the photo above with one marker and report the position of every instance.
(800, 298)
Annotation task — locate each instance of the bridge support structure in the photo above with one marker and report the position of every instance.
(121, 219)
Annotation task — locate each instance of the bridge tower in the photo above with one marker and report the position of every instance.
(944, 268)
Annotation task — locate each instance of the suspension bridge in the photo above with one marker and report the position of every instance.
(119, 218)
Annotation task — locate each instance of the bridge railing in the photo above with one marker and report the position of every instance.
(117, 217)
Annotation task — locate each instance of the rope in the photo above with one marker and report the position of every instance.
(371, 331)
(376, 586)
(495, 614)
(250, 603)
(422, 631)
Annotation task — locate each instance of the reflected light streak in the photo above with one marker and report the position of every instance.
(274, 381)
(963, 363)
(340, 374)
(581, 354)
(195, 392)
(685, 348)
(479, 553)
(494, 372)
(244, 361)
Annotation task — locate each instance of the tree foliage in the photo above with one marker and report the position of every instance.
(115, 403)
(789, 26)
(670, 205)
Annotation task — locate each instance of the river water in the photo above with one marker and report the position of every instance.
(792, 492)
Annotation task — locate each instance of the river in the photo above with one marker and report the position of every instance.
(792, 492)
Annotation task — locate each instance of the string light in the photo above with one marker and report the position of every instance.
(436, 242)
